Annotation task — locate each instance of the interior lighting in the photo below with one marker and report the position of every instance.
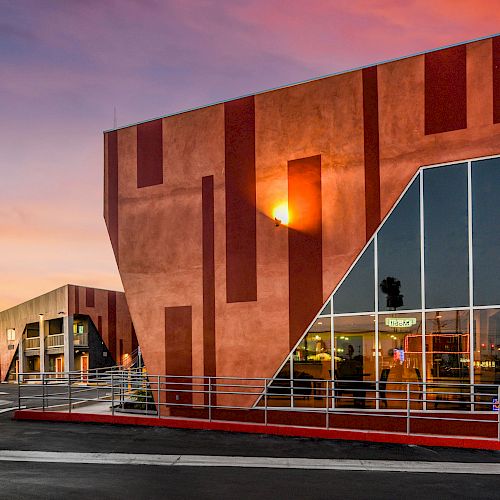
(281, 215)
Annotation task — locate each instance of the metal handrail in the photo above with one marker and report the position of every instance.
(398, 400)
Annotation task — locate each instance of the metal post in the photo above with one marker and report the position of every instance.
(327, 405)
(408, 406)
(158, 396)
(69, 392)
(265, 402)
(18, 393)
(112, 396)
(333, 394)
(209, 399)
(43, 392)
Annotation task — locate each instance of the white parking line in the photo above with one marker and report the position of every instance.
(250, 462)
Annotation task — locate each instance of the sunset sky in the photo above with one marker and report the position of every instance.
(65, 64)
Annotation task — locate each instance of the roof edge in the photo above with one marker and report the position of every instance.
(309, 80)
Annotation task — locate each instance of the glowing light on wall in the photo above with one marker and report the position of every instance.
(281, 215)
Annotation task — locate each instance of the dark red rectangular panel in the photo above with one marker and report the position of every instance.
(149, 154)
(111, 324)
(208, 276)
(446, 90)
(241, 240)
(305, 271)
(496, 79)
(179, 352)
(89, 297)
(112, 190)
(77, 300)
(371, 150)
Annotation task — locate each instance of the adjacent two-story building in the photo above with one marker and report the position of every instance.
(72, 328)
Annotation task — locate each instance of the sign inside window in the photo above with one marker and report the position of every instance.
(400, 322)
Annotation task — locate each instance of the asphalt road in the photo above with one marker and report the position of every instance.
(80, 480)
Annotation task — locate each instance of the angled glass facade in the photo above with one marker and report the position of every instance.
(420, 305)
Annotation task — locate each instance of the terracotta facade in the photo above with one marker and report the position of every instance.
(191, 220)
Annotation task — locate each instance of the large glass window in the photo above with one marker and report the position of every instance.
(354, 348)
(441, 357)
(447, 357)
(486, 357)
(487, 346)
(400, 358)
(446, 236)
(312, 362)
(356, 293)
(486, 231)
(399, 254)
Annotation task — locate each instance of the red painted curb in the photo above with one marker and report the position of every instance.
(277, 430)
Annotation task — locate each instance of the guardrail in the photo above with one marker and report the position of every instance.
(263, 400)
(55, 340)
(81, 339)
(32, 343)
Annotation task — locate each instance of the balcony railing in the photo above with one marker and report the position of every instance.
(81, 339)
(32, 343)
(55, 340)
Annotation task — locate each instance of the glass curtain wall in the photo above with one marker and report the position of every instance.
(420, 305)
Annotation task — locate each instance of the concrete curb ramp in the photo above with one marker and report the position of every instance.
(250, 462)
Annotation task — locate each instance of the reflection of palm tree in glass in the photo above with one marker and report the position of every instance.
(392, 287)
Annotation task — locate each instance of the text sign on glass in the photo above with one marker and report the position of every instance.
(400, 322)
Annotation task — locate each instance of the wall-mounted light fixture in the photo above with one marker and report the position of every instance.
(281, 215)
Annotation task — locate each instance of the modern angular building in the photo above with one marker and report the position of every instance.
(70, 328)
(344, 228)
